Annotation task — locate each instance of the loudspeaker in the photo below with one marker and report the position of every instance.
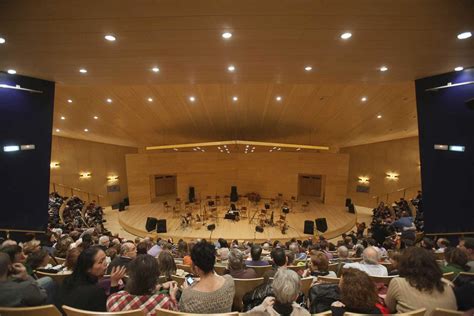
(348, 202)
(309, 227)
(126, 201)
(191, 195)
(267, 206)
(121, 206)
(470, 104)
(321, 224)
(161, 226)
(151, 224)
(211, 227)
(234, 197)
(351, 208)
(259, 229)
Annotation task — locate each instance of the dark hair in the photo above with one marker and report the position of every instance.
(11, 251)
(457, 256)
(183, 249)
(428, 243)
(35, 259)
(203, 256)
(143, 275)
(71, 258)
(142, 248)
(279, 256)
(80, 274)
(358, 291)
(319, 262)
(86, 241)
(418, 266)
(166, 264)
(256, 252)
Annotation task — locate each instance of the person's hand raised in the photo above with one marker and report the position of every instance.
(116, 275)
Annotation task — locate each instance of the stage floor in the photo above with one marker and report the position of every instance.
(338, 219)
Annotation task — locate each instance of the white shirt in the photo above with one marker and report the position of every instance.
(370, 269)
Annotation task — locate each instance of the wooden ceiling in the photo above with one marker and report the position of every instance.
(272, 42)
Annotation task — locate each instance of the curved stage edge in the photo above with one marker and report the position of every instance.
(338, 219)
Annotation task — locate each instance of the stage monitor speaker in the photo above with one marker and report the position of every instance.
(470, 104)
(234, 197)
(267, 206)
(309, 227)
(151, 224)
(211, 227)
(259, 229)
(161, 226)
(191, 195)
(321, 224)
(351, 208)
(348, 202)
(121, 206)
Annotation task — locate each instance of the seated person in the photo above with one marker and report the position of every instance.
(255, 254)
(17, 288)
(237, 268)
(319, 266)
(286, 288)
(212, 293)
(369, 264)
(456, 261)
(279, 258)
(166, 265)
(142, 290)
(358, 294)
(128, 252)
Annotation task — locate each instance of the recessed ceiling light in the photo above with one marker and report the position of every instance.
(69, 101)
(155, 69)
(383, 68)
(278, 98)
(109, 100)
(346, 35)
(298, 149)
(175, 149)
(231, 68)
(379, 116)
(2, 40)
(192, 99)
(86, 130)
(459, 68)
(58, 130)
(96, 117)
(83, 71)
(235, 98)
(464, 35)
(150, 99)
(63, 118)
(110, 37)
(363, 99)
(308, 68)
(227, 35)
(11, 71)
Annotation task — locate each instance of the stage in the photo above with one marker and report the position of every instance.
(133, 220)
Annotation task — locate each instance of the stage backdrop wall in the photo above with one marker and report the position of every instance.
(101, 160)
(400, 156)
(213, 174)
(26, 118)
(447, 176)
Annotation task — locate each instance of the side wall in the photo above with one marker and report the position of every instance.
(101, 160)
(399, 156)
(213, 174)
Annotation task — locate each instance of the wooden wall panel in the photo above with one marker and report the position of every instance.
(101, 160)
(213, 173)
(375, 160)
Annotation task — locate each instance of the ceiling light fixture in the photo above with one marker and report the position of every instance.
(363, 99)
(11, 71)
(150, 99)
(227, 35)
(278, 98)
(192, 99)
(86, 130)
(96, 117)
(69, 101)
(346, 35)
(110, 37)
(63, 118)
(459, 68)
(379, 116)
(464, 35)
(383, 68)
(235, 98)
(2, 40)
(83, 71)
(231, 68)
(57, 130)
(308, 68)
(109, 100)
(155, 69)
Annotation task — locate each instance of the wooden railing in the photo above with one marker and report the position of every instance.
(406, 193)
(68, 191)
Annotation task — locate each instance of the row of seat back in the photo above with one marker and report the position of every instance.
(377, 279)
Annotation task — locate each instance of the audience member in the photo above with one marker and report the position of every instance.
(467, 245)
(255, 254)
(442, 244)
(369, 264)
(128, 252)
(456, 260)
(237, 268)
(166, 265)
(278, 256)
(319, 266)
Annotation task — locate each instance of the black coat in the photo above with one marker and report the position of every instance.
(321, 296)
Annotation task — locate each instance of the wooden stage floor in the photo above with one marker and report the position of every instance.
(338, 219)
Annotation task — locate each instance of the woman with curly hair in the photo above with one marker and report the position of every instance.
(358, 294)
(420, 284)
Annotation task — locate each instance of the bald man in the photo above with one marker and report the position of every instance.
(128, 252)
(369, 264)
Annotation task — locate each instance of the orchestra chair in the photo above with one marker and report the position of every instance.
(166, 206)
(70, 311)
(45, 310)
(243, 286)
(260, 270)
(167, 312)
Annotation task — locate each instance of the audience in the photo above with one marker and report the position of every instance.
(128, 252)
(237, 268)
(369, 264)
(279, 261)
(166, 265)
(256, 254)
(319, 266)
(456, 260)
(467, 245)
(442, 244)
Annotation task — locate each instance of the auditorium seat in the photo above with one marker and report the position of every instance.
(306, 285)
(185, 267)
(70, 311)
(178, 279)
(329, 280)
(220, 269)
(57, 277)
(243, 286)
(333, 267)
(260, 270)
(448, 276)
(166, 312)
(296, 268)
(45, 310)
(445, 312)
(417, 312)
(382, 279)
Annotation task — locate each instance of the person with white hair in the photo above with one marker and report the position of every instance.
(104, 242)
(237, 268)
(295, 249)
(286, 288)
(128, 252)
(370, 263)
(223, 256)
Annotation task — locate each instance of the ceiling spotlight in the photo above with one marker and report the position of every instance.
(464, 35)
(308, 68)
(96, 117)
(86, 130)
(298, 149)
(227, 35)
(231, 68)
(155, 69)
(346, 35)
(383, 68)
(192, 99)
(278, 98)
(109, 100)
(57, 130)
(2, 40)
(11, 71)
(459, 68)
(69, 101)
(110, 37)
(83, 71)
(379, 116)
(175, 149)
(63, 118)
(150, 100)
(235, 98)
(363, 99)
